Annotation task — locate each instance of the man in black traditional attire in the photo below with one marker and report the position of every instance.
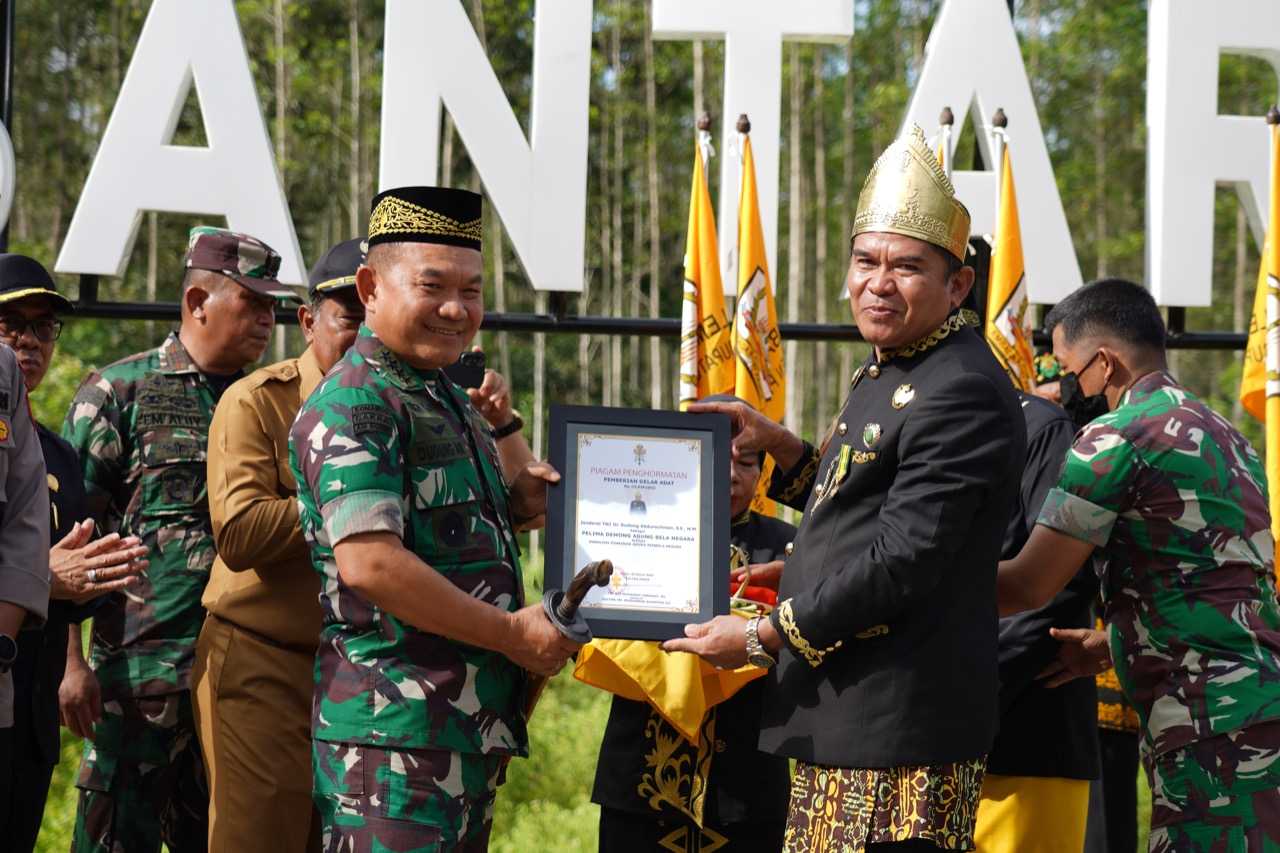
(885, 692)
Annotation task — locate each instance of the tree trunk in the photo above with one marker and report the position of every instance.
(795, 232)
(699, 103)
(282, 109)
(615, 59)
(153, 271)
(498, 250)
(1100, 170)
(822, 288)
(637, 282)
(446, 152)
(355, 205)
(608, 283)
(656, 373)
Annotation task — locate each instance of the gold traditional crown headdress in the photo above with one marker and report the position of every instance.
(908, 193)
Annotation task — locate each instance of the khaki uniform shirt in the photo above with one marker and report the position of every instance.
(262, 580)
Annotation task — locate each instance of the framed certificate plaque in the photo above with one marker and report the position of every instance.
(649, 491)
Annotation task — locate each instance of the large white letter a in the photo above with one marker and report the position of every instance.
(136, 169)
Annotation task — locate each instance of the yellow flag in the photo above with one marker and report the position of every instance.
(1253, 381)
(757, 346)
(1260, 384)
(706, 338)
(1008, 328)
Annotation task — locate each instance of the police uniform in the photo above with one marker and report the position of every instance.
(253, 671)
(141, 429)
(42, 654)
(24, 553)
(410, 729)
(658, 791)
(885, 691)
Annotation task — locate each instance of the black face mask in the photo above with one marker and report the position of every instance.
(1080, 407)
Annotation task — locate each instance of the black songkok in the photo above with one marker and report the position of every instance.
(426, 215)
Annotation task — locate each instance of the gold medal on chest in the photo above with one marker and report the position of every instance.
(902, 396)
(871, 434)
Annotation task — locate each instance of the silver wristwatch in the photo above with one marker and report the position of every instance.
(756, 654)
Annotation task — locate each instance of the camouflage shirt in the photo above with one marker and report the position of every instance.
(141, 427)
(1176, 501)
(383, 447)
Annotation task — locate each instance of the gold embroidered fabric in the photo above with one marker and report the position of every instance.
(787, 621)
(907, 192)
(838, 809)
(397, 216)
(676, 772)
(1114, 712)
(957, 321)
(803, 480)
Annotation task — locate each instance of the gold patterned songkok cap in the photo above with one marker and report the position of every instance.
(908, 193)
(426, 215)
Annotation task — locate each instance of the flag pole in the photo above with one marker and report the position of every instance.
(946, 121)
(999, 140)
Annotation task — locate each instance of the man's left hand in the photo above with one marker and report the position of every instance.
(1083, 653)
(529, 495)
(721, 642)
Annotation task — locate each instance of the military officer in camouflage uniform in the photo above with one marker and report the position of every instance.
(420, 674)
(140, 427)
(1175, 501)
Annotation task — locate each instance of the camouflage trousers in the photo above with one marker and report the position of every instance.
(142, 780)
(407, 800)
(1220, 794)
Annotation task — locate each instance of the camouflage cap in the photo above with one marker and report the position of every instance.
(337, 269)
(21, 277)
(244, 259)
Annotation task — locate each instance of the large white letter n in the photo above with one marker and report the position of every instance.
(432, 55)
(136, 169)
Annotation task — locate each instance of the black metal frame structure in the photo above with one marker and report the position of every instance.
(558, 320)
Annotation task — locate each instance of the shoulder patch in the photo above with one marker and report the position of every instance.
(369, 418)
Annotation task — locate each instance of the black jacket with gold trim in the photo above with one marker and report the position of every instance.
(888, 606)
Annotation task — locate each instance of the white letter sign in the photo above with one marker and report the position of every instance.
(753, 31)
(136, 169)
(972, 57)
(1191, 148)
(432, 54)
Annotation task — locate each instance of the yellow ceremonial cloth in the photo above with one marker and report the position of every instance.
(680, 686)
(1031, 814)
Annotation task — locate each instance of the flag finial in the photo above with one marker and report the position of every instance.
(704, 121)
(1000, 119)
(1273, 115)
(744, 124)
(947, 118)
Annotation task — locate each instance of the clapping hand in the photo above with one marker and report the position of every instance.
(81, 569)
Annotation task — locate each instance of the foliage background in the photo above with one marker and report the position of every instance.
(317, 66)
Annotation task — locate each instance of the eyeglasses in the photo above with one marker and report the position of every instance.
(45, 329)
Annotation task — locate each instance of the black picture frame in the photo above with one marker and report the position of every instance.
(714, 433)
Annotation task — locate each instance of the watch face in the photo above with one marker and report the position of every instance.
(8, 650)
(761, 659)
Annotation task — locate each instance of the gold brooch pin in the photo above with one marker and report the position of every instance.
(871, 434)
(902, 396)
